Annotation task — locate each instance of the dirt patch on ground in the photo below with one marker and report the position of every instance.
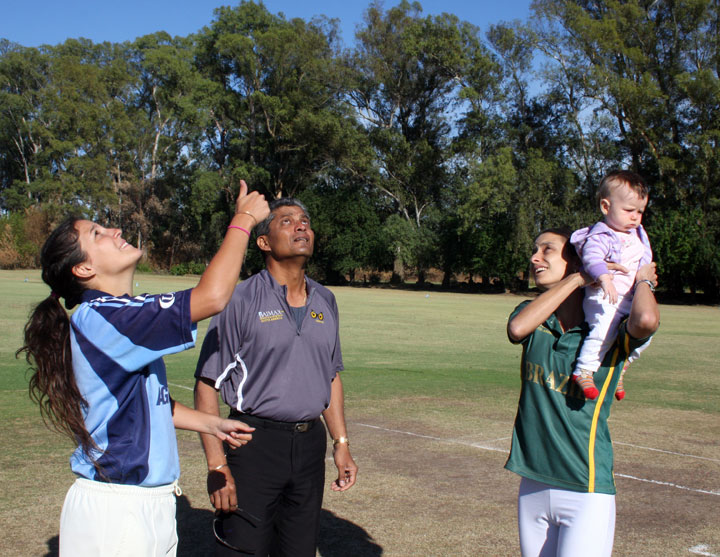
(427, 491)
(429, 485)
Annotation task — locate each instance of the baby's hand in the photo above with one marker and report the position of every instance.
(608, 288)
(617, 267)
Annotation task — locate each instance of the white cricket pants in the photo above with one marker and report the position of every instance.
(557, 522)
(100, 519)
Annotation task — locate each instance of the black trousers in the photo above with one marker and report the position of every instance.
(279, 477)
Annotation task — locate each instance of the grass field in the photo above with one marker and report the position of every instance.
(431, 390)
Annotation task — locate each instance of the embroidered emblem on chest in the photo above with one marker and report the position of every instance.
(271, 315)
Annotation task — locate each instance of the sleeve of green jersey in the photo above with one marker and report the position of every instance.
(512, 316)
(627, 341)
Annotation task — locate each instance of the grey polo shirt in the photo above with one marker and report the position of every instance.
(265, 365)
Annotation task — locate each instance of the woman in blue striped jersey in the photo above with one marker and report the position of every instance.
(99, 377)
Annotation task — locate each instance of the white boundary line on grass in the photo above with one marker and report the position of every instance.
(453, 441)
(491, 448)
(441, 439)
(701, 549)
(487, 447)
(667, 452)
(180, 386)
(669, 484)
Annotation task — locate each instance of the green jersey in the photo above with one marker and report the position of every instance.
(560, 438)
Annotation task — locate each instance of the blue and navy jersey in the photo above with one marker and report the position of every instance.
(117, 349)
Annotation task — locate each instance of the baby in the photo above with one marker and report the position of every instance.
(620, 239)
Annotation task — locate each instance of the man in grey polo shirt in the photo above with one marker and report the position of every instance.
(274, 355)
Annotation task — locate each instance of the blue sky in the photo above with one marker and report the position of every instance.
(36, 22)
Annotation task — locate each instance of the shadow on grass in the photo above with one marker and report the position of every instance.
(338, 537)
(194, 528)
(53, 545)
(341, 538)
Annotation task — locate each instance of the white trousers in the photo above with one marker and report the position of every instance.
(604, 319)
(557, 522)
(100, 519)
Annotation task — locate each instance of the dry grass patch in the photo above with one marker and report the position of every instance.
(432, 386)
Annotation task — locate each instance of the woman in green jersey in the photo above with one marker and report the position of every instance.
(561, 443)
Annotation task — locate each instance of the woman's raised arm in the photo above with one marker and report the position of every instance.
(536, 312)
(217, 283)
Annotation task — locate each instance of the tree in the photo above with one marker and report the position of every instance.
(347, 219)
(277, 115)
(408, 73)
(650, 73)
(156, 147)
(23, 135)
(512, 155)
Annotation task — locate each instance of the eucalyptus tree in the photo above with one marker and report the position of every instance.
(103, 128)
(277, 116)
(157, 152)
(61, 103)
(24, 132)
(510, 151)
(348, 223)
(409, 71)
(645, 75)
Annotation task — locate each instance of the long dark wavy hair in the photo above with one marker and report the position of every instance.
(47, 338)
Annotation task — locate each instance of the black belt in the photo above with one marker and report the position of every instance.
(299, 427)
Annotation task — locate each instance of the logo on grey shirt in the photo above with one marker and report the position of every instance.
(272, 315)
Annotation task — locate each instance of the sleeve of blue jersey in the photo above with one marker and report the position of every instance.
(139, 330)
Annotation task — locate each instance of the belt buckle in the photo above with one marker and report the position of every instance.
(302, 427)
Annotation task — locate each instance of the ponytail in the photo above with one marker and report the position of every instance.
(47, 339)
(52, 385)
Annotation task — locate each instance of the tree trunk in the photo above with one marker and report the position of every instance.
(398, 275)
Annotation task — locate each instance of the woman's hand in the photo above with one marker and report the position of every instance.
(233, 432)
(217, 283)
(252, 204)
(647, 272)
